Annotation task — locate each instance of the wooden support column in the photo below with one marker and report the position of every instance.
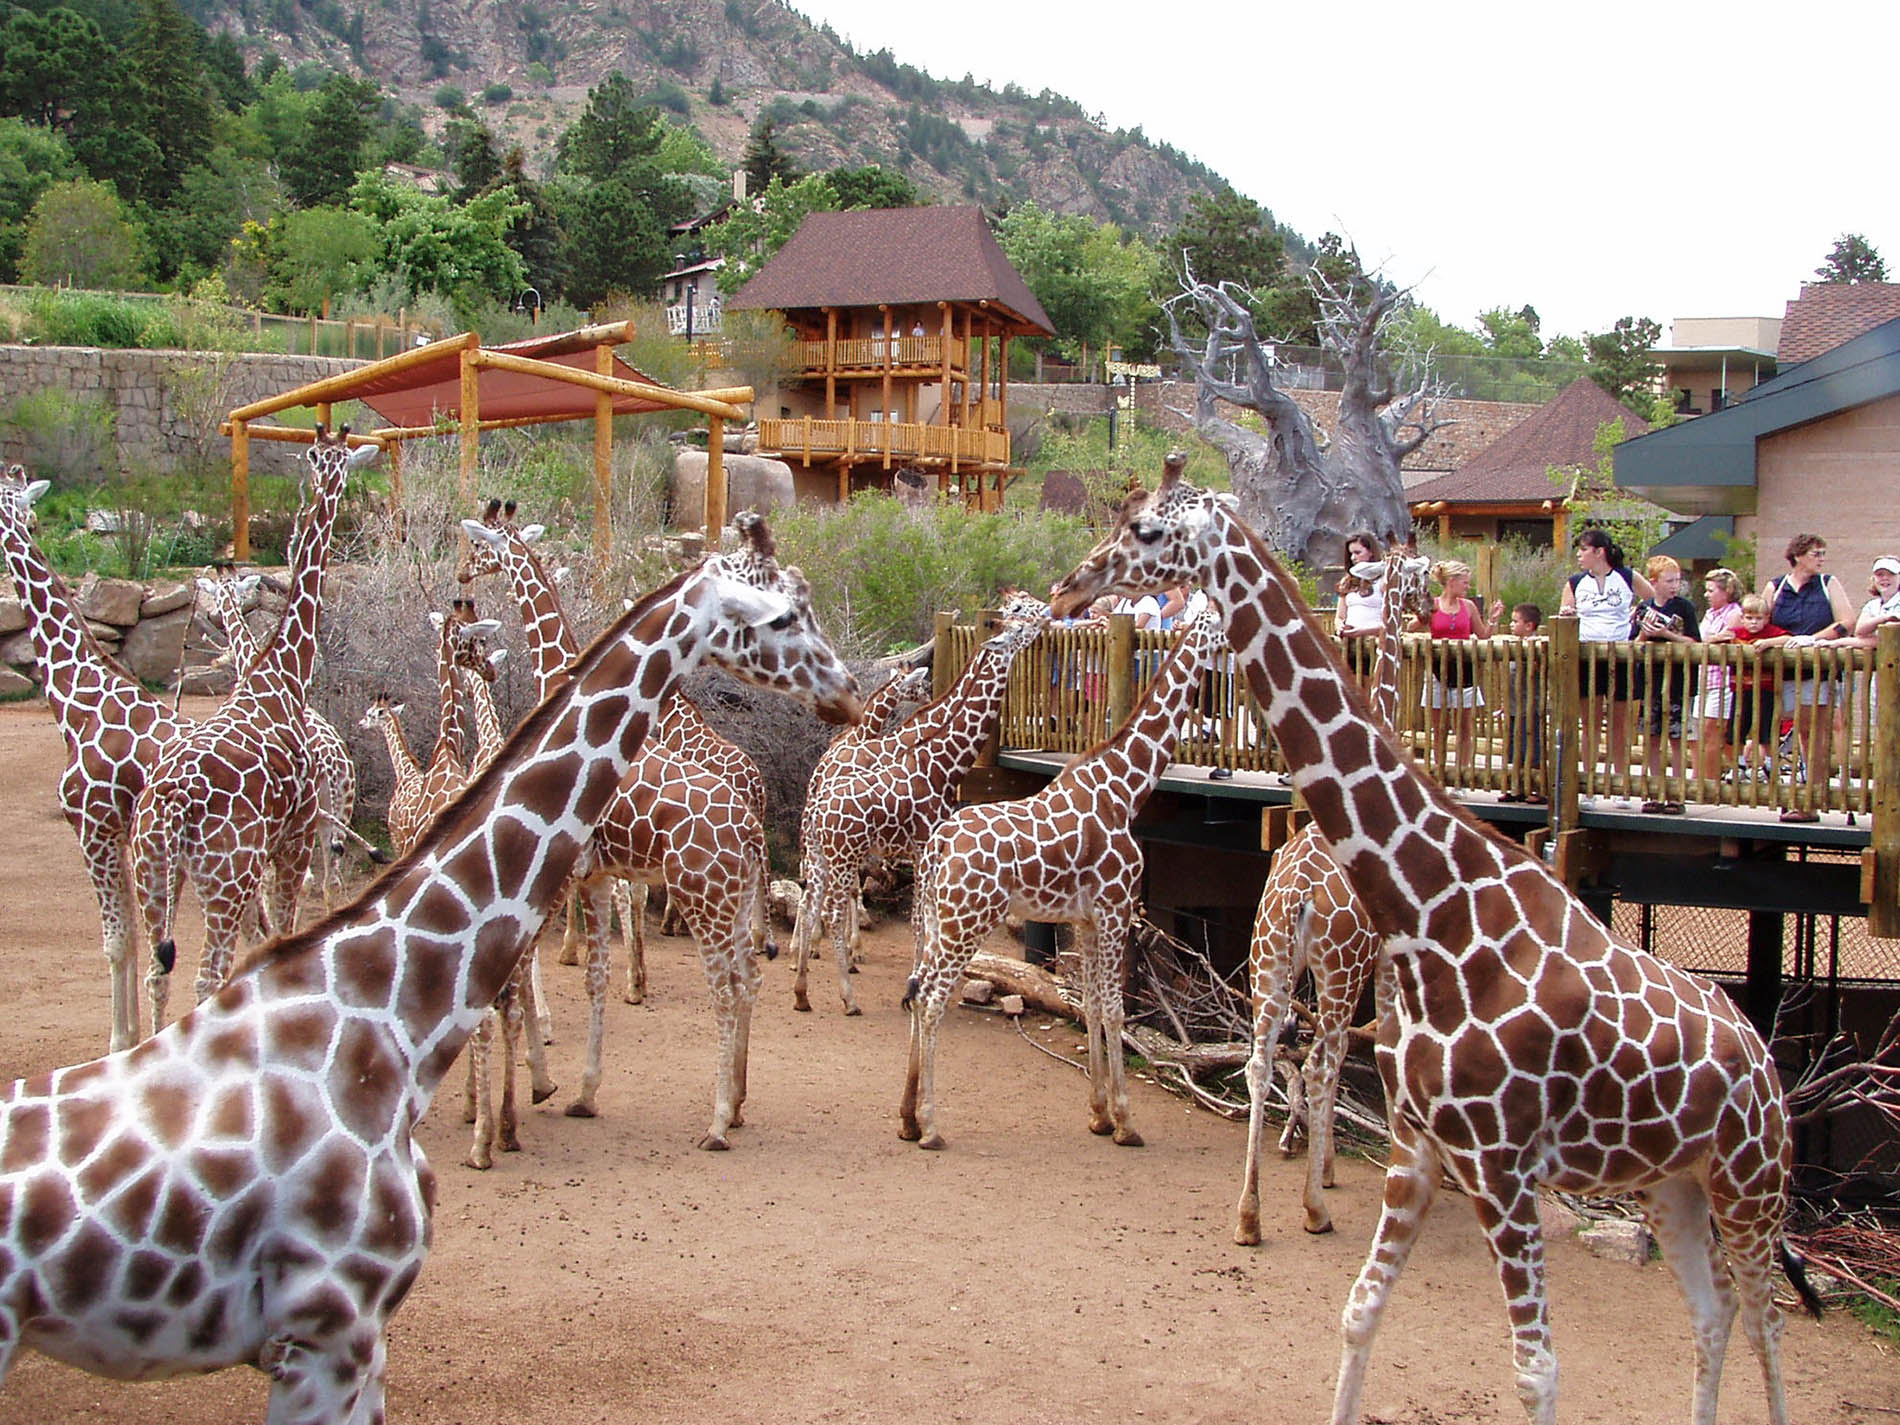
(890, 346)
(323, 413)
(1121, 669)
(983, 369)
(715, 480)
(1883, 904)
(471, 414)
(603, 461)
(942, 676)
(398, 517)
(1002, 381)
(831, 365)
(948, 337)
(240, 491)
(1563, 744)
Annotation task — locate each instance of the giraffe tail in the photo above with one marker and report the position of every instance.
(174, 826)
(1796, 1270)
(1302, 930)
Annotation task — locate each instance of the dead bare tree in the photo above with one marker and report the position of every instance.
(1305, 495)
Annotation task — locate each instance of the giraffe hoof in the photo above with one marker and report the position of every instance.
(543, 1095)
(908, 1130)
(801, 1004)
(1101, 1127)
(635, 997)
(581, 1109)
(1319, 1227)
(850, 1010)
(931, 1143)
(1247, 1234)
(480, 1162)
(714, 1143)
(1128, 1138)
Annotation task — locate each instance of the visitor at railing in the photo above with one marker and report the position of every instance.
(1756, 729)
(1527, 704)
(1361, 616)
(1664, 617)
(1454, 618)
(1722, 590)
(1603, 595)
(1813, 607)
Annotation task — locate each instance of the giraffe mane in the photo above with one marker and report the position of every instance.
(454, 820)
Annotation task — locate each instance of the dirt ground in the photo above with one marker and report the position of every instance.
(825, 1271)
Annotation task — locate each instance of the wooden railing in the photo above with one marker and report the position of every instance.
(873, 352)
(1527, 734)
(806, 436)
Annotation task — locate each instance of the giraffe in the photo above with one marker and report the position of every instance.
(1066, 854)
(682, 727)
(245, 1187)
(1308, 921)
(231, 803)
(422, 790)
(1524, 1046)
(113, 730)
(883, 796)
(674, 823)
(330, 766)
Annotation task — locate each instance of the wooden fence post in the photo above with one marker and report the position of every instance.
(942, 674)
(240, 491)
(1883, 900)
(1121, 670)
(1563, 746)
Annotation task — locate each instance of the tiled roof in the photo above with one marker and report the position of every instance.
(1514, 467)
(1826, 314)
(873, 255)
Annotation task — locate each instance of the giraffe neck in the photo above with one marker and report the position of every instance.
(961, 719)
(550, 640)
(281, 672)
(440, 934)
(880, 708)
(488, 734)
(1396, 835)
(78, 675)
(448, 737)
(400, 757)
(1384, 692)
(237, 632)
(1131, 761)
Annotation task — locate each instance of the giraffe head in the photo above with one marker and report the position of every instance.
(17, 494)
(1161, 538)
(468, 643)
(380, 713)
(485, 552)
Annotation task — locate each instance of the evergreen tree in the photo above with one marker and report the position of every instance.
(617, 203)
(1852, 259)
(1621, 364)
(32, 159)
(472, 158)
(537, 236)
(224, 68)
(764, 160)
(173, 95)
(323, 162)
(872, 187)
(1228, 238)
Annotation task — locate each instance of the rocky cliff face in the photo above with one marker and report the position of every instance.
(958, 143)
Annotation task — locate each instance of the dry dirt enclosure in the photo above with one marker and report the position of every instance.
(825, 1271)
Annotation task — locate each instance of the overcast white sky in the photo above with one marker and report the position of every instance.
(1599, 160)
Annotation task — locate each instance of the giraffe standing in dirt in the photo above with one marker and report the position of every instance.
(1524, 1046)
(245, 1187)
(231, 803)
(1066, 855)
(1310, 921)
(883, 796)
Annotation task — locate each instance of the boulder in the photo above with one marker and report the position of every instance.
(163, 598)
(13, 684)
(753, 482)
(210, 679)
(17, 651)
(1617, 1240)
(13, 616)
(113, 601)
(153, 649)
(108, 634)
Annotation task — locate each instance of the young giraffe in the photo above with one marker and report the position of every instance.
(113, 730)
(245, 1187)
(883, 796)
(1309, 921)
(1523, 1046)
(231, 802)
(330, 765)
(1067, 854)
(674, 823)
(418, 799)
(682, 727)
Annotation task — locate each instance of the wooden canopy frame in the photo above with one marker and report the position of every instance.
(529, 380)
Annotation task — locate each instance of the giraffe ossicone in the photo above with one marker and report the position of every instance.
(1524, 1046)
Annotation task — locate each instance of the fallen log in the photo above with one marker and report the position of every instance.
(1039, 989)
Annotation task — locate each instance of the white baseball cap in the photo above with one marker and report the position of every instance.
(1888, 563)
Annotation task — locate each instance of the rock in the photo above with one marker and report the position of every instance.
(17, 651)
(1617, 1240)
(107, 633)
(163, 598)
(152, 651)
(1557, 1220)
(783, 900)
(1012, 1005)
(978, 992)
(210, 679)
(113, 601)
(752, 483)
(13, 684)
(13, 616)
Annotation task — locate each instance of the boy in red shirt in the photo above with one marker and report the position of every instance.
(1757, 705)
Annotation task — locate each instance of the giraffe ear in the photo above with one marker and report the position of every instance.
(483, 628)
(247, 586)
(530, 533)
(365, 455)
(498, 657)
(476, 530)
(436, 620)
(35, 489)
(1371, 570)
(1228, 501)
(207, 588)
(743, 604)
(395, 709)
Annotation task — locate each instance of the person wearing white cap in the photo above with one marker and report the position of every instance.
(1884, 606)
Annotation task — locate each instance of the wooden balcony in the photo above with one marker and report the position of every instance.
(868, 356)
(854, 442)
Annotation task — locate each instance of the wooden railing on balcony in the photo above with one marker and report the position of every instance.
(1528, 734)
(806, 436)
(870, 354)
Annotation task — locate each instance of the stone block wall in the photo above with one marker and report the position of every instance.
(167, 403)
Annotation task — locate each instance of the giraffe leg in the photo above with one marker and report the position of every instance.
(763, 941)
(541, 1087)
(1103, 944)
(508, 1021)
(746, 995)
(1677, 1212)
(637, 893)
(599, 950)
(917, 1113)
(1411, 1182)
(811, 911)
(1320, 1074)
(105, 860)
(322, 1384)
(839, 921)
(543, 1011)
(1269, 1008)
(572, 935)
(481, 1151)
(1750, 1235)
(721, 951)
(1508, 1217)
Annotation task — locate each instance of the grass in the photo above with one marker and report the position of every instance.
(1877, 1316)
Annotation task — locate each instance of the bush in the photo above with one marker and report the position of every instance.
(498, 94)
(66, 438)
(450, 97)
(88, 319)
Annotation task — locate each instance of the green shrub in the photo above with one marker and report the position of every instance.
(88, 319)
(498, 94)
(66, 438)
(881, 570)
(450, 97)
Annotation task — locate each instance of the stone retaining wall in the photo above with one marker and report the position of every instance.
(167, 404)
(150, 628)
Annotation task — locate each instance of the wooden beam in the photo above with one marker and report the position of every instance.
(706, 403)
(603, 461)
(890, 345)
(343, 385)
(949, 335)
(241, 490)
(715, 480)
(831, 365)
(471, 416)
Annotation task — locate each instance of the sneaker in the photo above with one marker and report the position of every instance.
(1587, 802)
(1620, 803)
(1221, 774)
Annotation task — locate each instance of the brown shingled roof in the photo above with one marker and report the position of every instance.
(873, 255)
(1514, 467)
(1828, 314)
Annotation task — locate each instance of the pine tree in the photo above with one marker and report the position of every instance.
(174, 93)
(1852, 259)
(764, 160)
